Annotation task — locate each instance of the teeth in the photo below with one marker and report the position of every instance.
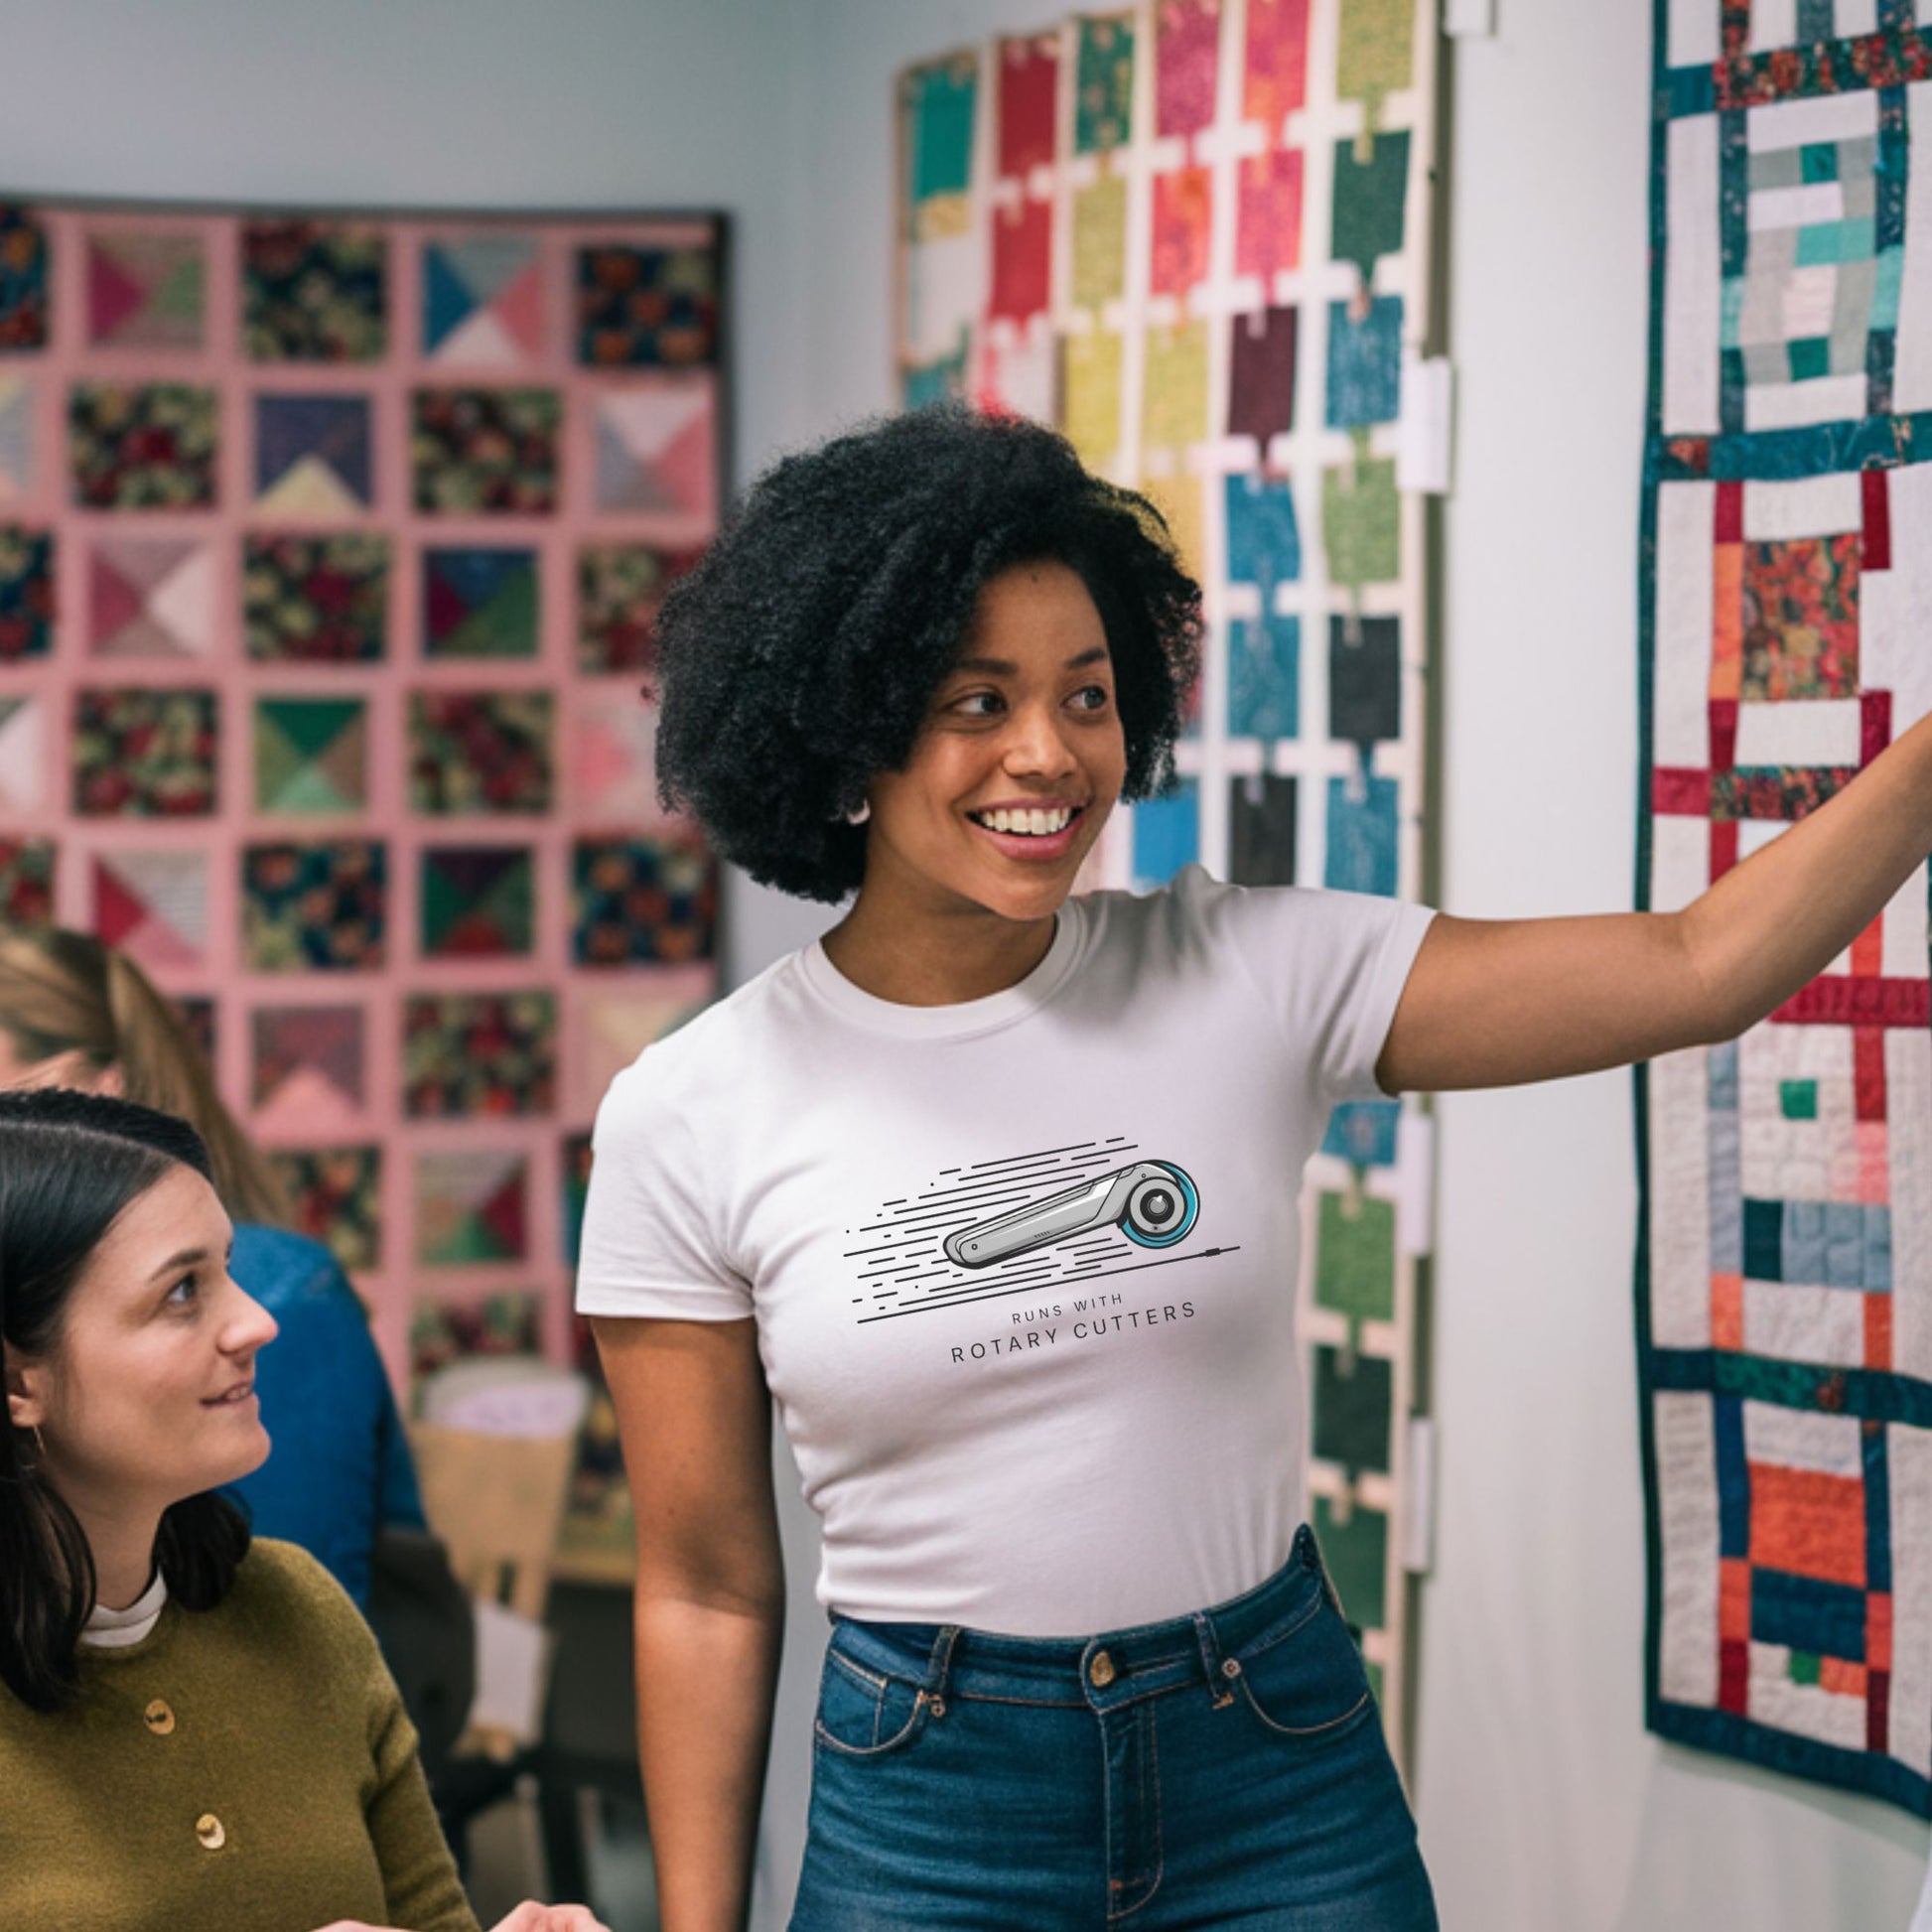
(1028, 824)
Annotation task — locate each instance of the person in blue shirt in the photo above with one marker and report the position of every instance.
(76, 1013)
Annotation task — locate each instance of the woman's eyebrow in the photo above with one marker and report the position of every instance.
(1004, 668)
(181, 1259)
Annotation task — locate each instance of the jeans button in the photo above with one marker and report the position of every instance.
(1101, 1670)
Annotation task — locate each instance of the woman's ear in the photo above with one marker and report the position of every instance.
(26, 1404)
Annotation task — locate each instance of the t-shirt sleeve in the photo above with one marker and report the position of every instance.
(648, 1244)
(1329, 966)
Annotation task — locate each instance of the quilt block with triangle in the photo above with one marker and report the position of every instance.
(312, 756)
(154, 904)
(483, 300)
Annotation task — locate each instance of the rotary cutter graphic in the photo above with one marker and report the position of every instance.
(1152, 1202)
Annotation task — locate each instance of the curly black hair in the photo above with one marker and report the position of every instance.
(801, 655)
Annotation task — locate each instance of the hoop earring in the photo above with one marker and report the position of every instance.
(860, 812)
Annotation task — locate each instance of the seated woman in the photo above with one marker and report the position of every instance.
(76, 1013)
(195, 1731)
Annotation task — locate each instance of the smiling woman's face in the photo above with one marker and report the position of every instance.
(148, 1396)
(1020, 761)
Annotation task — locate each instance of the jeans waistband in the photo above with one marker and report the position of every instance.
(1111, 1668)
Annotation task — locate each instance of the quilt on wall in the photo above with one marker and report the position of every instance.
(329, 550)
(1786, 1276)
(1194, 236)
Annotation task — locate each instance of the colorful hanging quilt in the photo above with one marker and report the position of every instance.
(330, 553)
(1785, 1273)
(1194, 236)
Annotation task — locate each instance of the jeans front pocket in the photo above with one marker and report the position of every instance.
(1307, 1682)
(863, 1712)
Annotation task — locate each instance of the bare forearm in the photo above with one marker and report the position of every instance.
(1491, 1003)
(705, 1678)
(1773, 923)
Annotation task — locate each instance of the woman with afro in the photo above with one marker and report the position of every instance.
(994, 1190)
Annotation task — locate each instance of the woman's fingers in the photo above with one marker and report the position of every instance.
(531, 1917)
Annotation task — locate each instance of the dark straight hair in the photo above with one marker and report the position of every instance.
(70, 1165)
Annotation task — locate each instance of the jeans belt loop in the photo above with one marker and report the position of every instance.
(1210, 1657)
(939, 1668)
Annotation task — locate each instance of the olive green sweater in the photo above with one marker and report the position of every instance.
(248, 1768)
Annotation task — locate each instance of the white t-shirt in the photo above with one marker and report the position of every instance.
(1086, 1411)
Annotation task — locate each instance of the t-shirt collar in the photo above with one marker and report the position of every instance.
(964, 1016)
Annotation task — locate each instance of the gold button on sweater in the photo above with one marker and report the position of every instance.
(284, 1794)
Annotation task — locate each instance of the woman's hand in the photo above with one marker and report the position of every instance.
(532, 1917)
(528, 1917)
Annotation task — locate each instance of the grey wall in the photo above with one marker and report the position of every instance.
(1542, 1802)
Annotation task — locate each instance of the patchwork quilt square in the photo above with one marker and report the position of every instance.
(1353, 1399)
(1361, 523)
(312, 756)
(153, 904)
(334, 1197)
(1364, 679)
(1260, 830)
(1355, 1256)
(485, 452)
(1363, 824)
(313, 292)
(1186, 61)
(151, 597)
(656, 446)
(613, 761)
(23, 280)
(479, 601)
(1166, 835)
(491, 1053)
(143, 446)
(478, 902)
(27, 599)
(1355, 1554)
(1811, 309)
(619, 589)
(576, 1166)
(1371, 199)
(145, 752)
(313, 455)
(22, 754)
(1103, 100)
(480, 751)
(1264, 676)
(1029, 78)
(315, 908)
(471, 1207)
(483, 300)
(1100, 241)
(441, 1332)
(1183, 225)
(645, 900)
(146, 289)
(1023, 260)
(1264, 538)
(18, 438)
(1364, 363)
(1275, 72)
(26, 881)
(655, 308)
(316, 600)
(310, 1063)
(605, 1032)
(1174, 412)
(1261, 374)
(1268, 213)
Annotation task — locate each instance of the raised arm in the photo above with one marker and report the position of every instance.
(696, 1423)
(1493, 1003)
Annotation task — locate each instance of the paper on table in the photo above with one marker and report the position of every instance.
(513, 1666)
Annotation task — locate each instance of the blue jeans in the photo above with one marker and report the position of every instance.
(1221, 1769)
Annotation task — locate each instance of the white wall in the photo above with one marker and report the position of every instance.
(1543, 1803)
